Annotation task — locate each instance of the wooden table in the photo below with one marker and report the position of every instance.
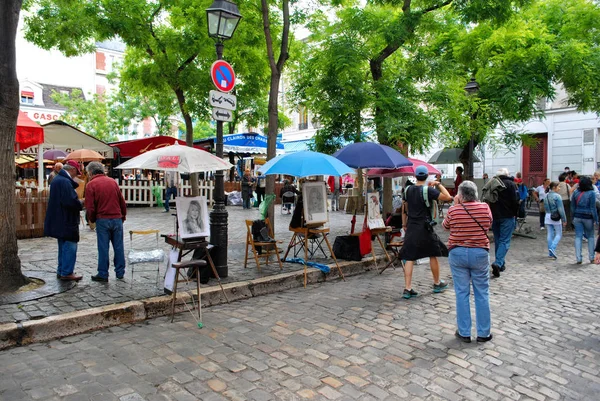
(301, 237)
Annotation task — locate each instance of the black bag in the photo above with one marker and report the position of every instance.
(554, 215)
(347, 247)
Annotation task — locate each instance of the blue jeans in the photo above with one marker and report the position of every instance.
(170, 190)
(246, 203)
(67, 256)
(502, 229)
(110, 230)
(471, 265)
(554, 236)
(584, 226)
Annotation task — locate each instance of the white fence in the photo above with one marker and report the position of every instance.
(140, 192)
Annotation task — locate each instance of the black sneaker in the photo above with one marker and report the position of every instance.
(503, 267)
(100, 279)
(485, 339)
(437, 288)
(495, 270)
(121, 277)
(463, 338)
(407, 294)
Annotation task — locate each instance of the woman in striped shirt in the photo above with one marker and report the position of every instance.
(469, 221)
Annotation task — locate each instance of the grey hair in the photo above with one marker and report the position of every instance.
(68, 167)
(502, 171)
(95, 168)
(468, 191)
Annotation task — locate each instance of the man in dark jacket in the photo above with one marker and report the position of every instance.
(106, 207)
(62, 219)
(504, 211)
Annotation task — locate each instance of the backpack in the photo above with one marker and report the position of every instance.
(491, 190)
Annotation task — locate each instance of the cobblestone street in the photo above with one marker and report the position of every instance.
(354, 340)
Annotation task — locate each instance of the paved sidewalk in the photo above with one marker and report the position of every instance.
(39, 254)
(356, 340)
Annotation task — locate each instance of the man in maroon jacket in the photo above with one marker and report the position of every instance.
(106, 207)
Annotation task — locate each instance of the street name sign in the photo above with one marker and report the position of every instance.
(222, 114)
(222, 100)
(222, 75)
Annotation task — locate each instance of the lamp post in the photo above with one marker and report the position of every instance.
(472, 87)
(223, 17)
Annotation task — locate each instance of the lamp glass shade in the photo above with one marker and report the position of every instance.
(472, 87)
(223, 18)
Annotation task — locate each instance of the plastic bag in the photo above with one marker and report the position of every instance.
(264, 205)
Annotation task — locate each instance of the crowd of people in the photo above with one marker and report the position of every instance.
(571, 202)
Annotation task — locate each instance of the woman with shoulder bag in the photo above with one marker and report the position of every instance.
(469, 222)
(583, 208)
(564, 190)
(555, 218)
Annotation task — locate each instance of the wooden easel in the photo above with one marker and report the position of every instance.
(301, 237)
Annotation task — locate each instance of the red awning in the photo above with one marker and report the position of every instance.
(136, 147)
(29, 133)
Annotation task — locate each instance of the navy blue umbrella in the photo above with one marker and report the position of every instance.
(371, 155)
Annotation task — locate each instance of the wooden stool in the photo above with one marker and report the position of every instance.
(196, 265)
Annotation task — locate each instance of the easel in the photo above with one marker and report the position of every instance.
(377, 232)
(301, 237)
(184, 247)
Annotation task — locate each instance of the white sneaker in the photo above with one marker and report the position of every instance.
(542, 228)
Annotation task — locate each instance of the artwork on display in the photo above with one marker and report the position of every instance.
(192, 216)
(374, 218)
(314, 196)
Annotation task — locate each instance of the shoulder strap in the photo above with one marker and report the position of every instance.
(480, 226)
(578, 198)
(425, 196)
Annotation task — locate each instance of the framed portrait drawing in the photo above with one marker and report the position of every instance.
(314, 197)
(192, 216)
(374, 218)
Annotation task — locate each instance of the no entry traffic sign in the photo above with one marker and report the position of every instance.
(222, 75)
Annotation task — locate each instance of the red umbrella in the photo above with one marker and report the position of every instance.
(403, 171)
(29, 133)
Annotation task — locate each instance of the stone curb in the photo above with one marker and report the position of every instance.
(78, 322)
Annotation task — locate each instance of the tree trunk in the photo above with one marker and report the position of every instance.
(189, 135)
(10, 264)
(272, 137)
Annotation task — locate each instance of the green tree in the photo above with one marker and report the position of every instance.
(168, 50)
(10, 264)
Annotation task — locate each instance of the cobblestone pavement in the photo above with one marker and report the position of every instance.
(354, 340)
(39, 254)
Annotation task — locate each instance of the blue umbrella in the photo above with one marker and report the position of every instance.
(371, 155)
(305, 164)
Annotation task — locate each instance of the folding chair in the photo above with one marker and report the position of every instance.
(148, 254)
(269, 247)
(287, 195)
(395, 247)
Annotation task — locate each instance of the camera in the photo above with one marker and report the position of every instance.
(432, 223)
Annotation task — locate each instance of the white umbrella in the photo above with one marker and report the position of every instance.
(183, 159)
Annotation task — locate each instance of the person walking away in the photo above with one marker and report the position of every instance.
(564, 190)
(583, 209)
(287, 200)
(261, 185)
(335, 186)
(57, 167)
(469, 221)
(247, 188)
(504, 211)
(555, 218)
(171, 184)
(62, 219)
(106, 207)
(523, 193)
(540, 194)
(420, 240)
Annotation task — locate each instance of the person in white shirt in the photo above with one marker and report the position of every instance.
(540, 194)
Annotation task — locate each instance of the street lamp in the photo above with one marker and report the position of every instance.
(223, 17)
(472, 87)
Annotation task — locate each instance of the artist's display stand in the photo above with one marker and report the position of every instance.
(302, 237)
(184, 247)
(377, 232)
(395, 246)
